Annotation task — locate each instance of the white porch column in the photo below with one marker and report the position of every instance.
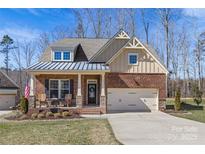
(32, 101)
(102, 95)
(79, 85)
(102, 85)
(79, 100)
(32, 85)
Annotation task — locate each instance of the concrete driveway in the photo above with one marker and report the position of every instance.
(156, 128)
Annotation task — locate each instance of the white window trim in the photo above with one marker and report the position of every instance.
(132, 54)
(62, 52)
(59, 86)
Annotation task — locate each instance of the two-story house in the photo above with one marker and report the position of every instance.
(108, 75)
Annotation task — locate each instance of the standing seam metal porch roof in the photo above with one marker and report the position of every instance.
(66, 66)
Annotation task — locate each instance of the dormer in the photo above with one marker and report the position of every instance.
(62, 54)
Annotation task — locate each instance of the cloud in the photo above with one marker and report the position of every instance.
(198, 13)
(20, 33)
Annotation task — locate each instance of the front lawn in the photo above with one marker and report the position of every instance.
(193, 112)
(80, 131)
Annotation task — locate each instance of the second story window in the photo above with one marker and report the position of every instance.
(66, 55)
(57, 55)
(132, 58)
(62, 56)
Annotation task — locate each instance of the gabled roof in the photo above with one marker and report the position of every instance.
(6, 82)
(90, 46)
(100, 50)
(134, 43)
(111, 47)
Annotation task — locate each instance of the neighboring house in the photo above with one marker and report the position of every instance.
(109, 75)
(8, 92)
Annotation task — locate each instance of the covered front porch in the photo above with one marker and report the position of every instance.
(85, 90)
(73, 84)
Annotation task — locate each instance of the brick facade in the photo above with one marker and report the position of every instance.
(112, 80)
(138, 80)
(40, 82)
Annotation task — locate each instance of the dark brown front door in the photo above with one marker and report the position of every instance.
(91, 93)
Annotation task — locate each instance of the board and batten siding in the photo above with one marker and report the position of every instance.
(146, 63)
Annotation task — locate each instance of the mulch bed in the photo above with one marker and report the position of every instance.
(177, 112)
(19, 116)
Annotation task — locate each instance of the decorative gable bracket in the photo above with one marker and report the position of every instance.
(134, 44)
(122, 35)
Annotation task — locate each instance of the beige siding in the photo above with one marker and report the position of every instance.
(146, 63)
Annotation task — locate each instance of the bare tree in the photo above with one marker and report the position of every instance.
(132, 22)
(28, 50)
(80, 26)
(60, 32)
(43, 42)
(108, 26)
(145, 25)
(96, 19)
(185, 45)
(199, 55)
(121, 18)
(17, 58)
(166, 16)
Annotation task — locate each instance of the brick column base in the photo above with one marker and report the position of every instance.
(103, 104)
(32, 102)
(79, 101)
(162, 106)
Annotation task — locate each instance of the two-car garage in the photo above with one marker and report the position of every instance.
(132, 99)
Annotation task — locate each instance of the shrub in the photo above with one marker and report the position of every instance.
(49, 114)
(178, 100)
(41, 116)
(24, 105)
(66, 114)
(197, 94)
(18, 114)
(57, 115)
(34, 115)
(23, 117)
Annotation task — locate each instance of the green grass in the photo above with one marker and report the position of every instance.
(195, 112)
(83, 131)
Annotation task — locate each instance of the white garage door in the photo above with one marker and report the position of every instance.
(132, 99)
(6, 101)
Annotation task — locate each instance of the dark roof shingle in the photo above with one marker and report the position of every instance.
(6, 82)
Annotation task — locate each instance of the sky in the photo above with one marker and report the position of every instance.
(27, 24)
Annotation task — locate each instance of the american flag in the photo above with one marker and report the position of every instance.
(27, 91)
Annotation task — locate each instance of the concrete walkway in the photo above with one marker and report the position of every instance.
(2, 112)
(156, 128)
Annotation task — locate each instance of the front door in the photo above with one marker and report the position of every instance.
(92, 93)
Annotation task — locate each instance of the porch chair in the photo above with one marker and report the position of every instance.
(68, 99)
(42, 100)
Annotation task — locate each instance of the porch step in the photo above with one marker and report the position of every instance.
(90, 111)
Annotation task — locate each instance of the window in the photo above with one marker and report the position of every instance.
(65, 88)
(66, 55)
(57, 55)
(62, 56)
(132, 58)
(59, 88)
(54, 89)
